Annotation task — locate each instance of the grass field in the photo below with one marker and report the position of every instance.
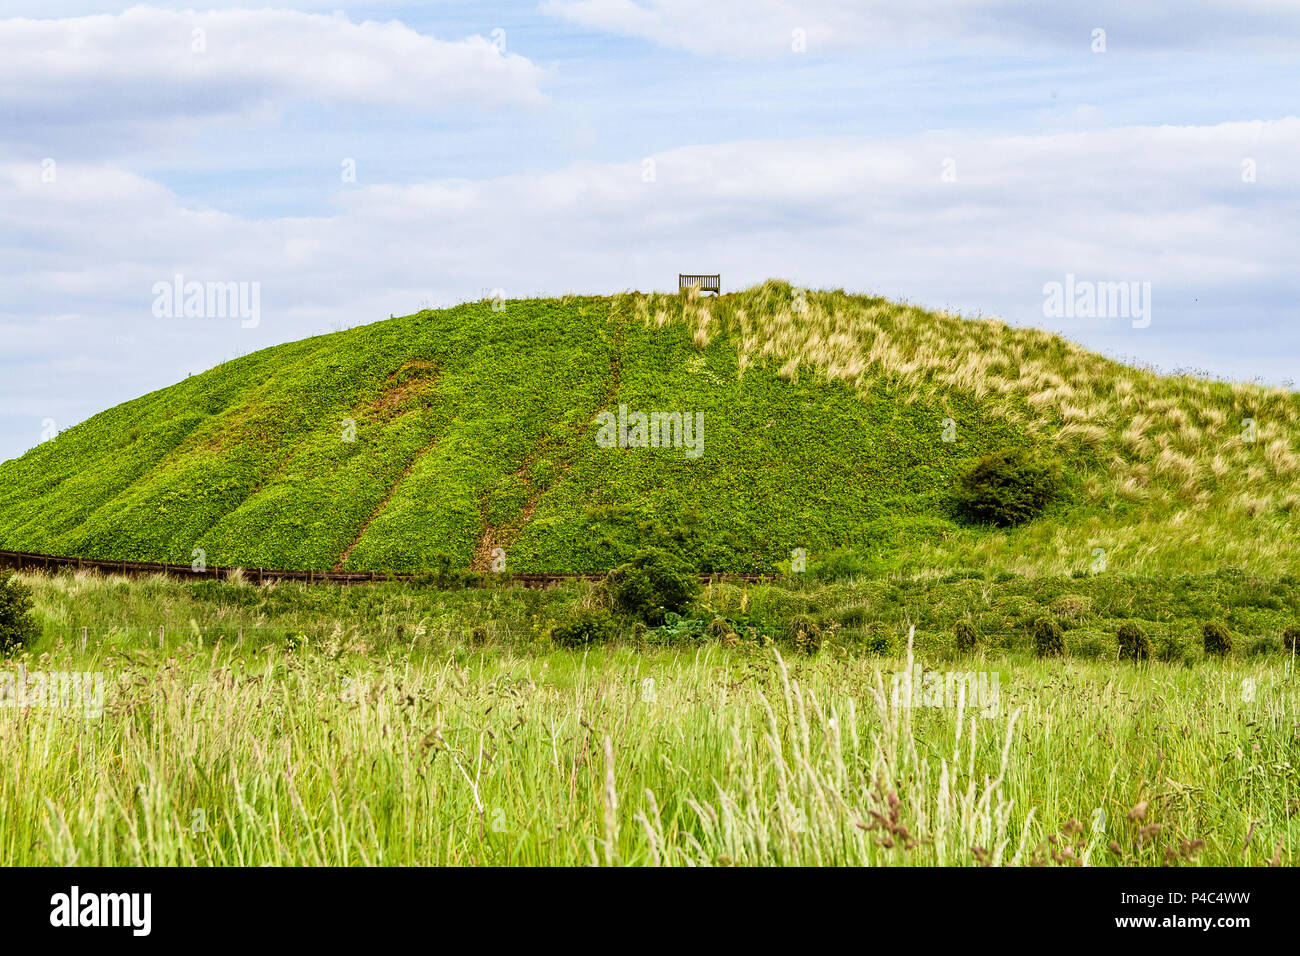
(828, 716)
(271, 725)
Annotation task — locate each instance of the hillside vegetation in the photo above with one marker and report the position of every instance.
(448, 434)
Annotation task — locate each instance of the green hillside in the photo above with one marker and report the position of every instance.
(823, 429)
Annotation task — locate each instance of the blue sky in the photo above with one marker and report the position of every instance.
(958, 155)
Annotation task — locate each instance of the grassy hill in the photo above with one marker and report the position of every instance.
(459, 431)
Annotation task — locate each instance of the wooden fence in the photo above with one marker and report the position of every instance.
(28, 561)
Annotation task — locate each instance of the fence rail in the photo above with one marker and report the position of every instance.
(29, 561)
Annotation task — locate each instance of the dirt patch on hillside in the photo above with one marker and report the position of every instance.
(401, 391)
(504, 536)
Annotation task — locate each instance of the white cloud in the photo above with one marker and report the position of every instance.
(1165, 205)
(766, 27)
(151, 64)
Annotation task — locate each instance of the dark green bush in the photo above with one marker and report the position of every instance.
(1007, 487)
(651, 585)
(1134, 645)
(965, 635)
(854, 616)
(1265, 646)
(1291, 639)
(17, 625)
(584, 629)
(441, 574)
(1049, 641)
(878, 640)
(1216, 638)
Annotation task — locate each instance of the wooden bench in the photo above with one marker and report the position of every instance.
(706, 283)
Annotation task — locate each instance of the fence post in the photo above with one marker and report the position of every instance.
(83, 640)
(161, 634)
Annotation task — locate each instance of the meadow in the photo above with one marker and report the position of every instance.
(387, 724)
(1025, 605)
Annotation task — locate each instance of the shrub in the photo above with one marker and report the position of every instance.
(1089, 645)
(854, 616)
(1172, 649)
(442, 574)
(1007, 487)
(1072, 607)
(1216, 638)
(1048, 639)
(720, 630)
(584, 629)
(1134, 645)
(651, 585)
(17, 625)
(1291, 639)
(965, 635)
(806, 634)
(1263, 647)
(878, 640)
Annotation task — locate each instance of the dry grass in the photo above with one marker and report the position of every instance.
(1164, 442)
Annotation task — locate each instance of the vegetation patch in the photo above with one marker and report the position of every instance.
(871, 438)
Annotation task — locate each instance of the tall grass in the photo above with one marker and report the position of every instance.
(258, 755)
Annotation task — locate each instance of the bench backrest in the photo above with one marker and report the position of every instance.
(706, 283)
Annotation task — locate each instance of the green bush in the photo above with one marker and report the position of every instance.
(718, 628)
(1291, 639)
(878, 640)
(651, 585)
(1265, 646)
(1172, 649)
(854, 616)
(1089, 645)
(17, 625)
(1216, 638)
(1134, 645)
(806, 634)
(965, 635)
(441, 574)
(1007, 488)
(1049, 641)
(584, 629)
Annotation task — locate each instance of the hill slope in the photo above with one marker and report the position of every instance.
(459, 431)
